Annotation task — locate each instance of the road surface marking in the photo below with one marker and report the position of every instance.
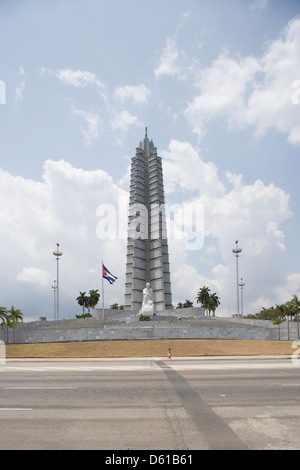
(15, 409)
(39, 388)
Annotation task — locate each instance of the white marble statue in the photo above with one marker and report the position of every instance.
(148, 307)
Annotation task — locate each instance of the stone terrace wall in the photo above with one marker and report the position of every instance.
(97, 329)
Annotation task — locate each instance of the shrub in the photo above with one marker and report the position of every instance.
(84, 315)
(144, 318)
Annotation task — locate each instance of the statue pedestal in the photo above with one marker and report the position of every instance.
(147, 310)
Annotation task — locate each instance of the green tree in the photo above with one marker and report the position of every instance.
(3, 315)
(293, 305)
(93, 298)
(289, 309)
(284, 313)
(213, 303)
(270, 313)
(13, 317)
(179, 305)
(114, 306)
(82, 300)
(203, 297)
(88, 301)
(16, 315)
(209, 302)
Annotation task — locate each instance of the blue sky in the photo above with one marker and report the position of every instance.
(218, 85)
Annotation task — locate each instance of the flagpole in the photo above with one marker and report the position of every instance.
(111, 279)
(102, 293)
(57, 253)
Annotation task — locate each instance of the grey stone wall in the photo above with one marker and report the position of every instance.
(98, 329)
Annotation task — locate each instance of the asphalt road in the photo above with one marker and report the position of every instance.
(150, 404)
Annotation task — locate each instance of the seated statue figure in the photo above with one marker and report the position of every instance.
(148, 303)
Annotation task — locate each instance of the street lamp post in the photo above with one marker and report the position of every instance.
(54, 287)
(241, 284)
(237, 251)
(57, 253)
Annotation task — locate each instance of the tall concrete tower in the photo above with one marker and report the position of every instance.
(147, 245)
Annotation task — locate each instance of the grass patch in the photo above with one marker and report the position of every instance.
(149, 348)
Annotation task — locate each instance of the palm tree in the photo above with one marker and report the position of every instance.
(93, 298)
(285, 312)
(82, 300)
(209, 305)
(214, 301)
(187, 303)
(14, 316)
(3, 315)
(203, 296)
(294, 307)
(295, 300)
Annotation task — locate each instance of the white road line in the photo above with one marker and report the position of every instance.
(290, 385)
(39, 388)
(15, 409)
(232, 366)
(22, 368)
(181, 366)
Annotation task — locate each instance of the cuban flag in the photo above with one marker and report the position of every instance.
(108, 275)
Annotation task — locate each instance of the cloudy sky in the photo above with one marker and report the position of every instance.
(218, 86)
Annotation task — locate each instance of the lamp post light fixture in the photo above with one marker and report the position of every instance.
(241, 284)
(54, 287)
(57, 253)
(237, 251)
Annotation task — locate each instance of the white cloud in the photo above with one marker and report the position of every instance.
(184, 168)
(35, 276)
(169, 61)
(20, 87)
(223, 87)
(110, 115)
(259, 4)
(270, 104)
(289, 288)
(139, 94)
(175, 61)
(249, 91)
(186, 15)
(251, 213)
(92, 120)
(34, 216)
(76, 78)
(122, 120)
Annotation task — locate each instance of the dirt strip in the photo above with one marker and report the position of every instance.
(149, 348)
